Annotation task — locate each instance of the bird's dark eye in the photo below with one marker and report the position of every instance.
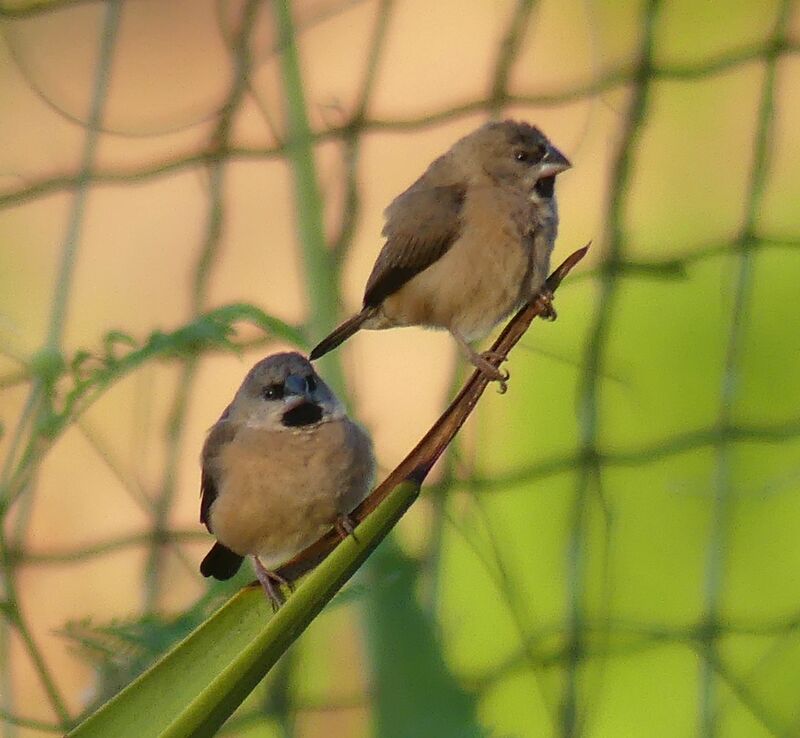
(311, 383)
(272, 392)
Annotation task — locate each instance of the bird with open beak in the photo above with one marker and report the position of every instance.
(281, 466)
(469, 242)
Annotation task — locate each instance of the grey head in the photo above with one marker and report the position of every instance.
(515, 153)
(283, 391)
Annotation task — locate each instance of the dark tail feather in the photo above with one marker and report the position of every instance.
(220, 562)
(342, 333)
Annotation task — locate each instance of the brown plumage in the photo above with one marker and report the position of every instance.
(469, 242)
(281, 466)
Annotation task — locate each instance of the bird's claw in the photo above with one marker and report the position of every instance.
(502, 383)
(345, 527)
(493, 373)
(544, 304)
(494, 356)
(270, 582)
(483, 362)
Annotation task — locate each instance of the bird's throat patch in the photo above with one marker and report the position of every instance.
(545, 186)
(307, 413)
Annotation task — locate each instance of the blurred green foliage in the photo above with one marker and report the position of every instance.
(617, 554)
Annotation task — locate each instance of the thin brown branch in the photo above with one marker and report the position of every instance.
(418, 463)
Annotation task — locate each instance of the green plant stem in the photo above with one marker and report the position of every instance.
(69, 251)
(321, 268)
(47, 680)
(176, 425)
(17, 721)
(718, 548)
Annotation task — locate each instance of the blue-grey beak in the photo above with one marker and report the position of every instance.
(296, 385)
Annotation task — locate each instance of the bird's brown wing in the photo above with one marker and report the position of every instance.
(222, 433)
(421, 225)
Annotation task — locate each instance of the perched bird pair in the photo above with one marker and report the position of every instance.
(467, 244)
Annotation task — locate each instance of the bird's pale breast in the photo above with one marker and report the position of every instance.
(279, 491)
(487, 273)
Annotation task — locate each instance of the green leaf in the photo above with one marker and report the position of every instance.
(229, 314)
(198, 685)
(115, 339)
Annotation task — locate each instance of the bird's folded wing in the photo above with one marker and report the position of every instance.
(421, 225)
(222, 433)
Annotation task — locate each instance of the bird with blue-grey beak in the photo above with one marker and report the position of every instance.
(469, 242)
(282, 465)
